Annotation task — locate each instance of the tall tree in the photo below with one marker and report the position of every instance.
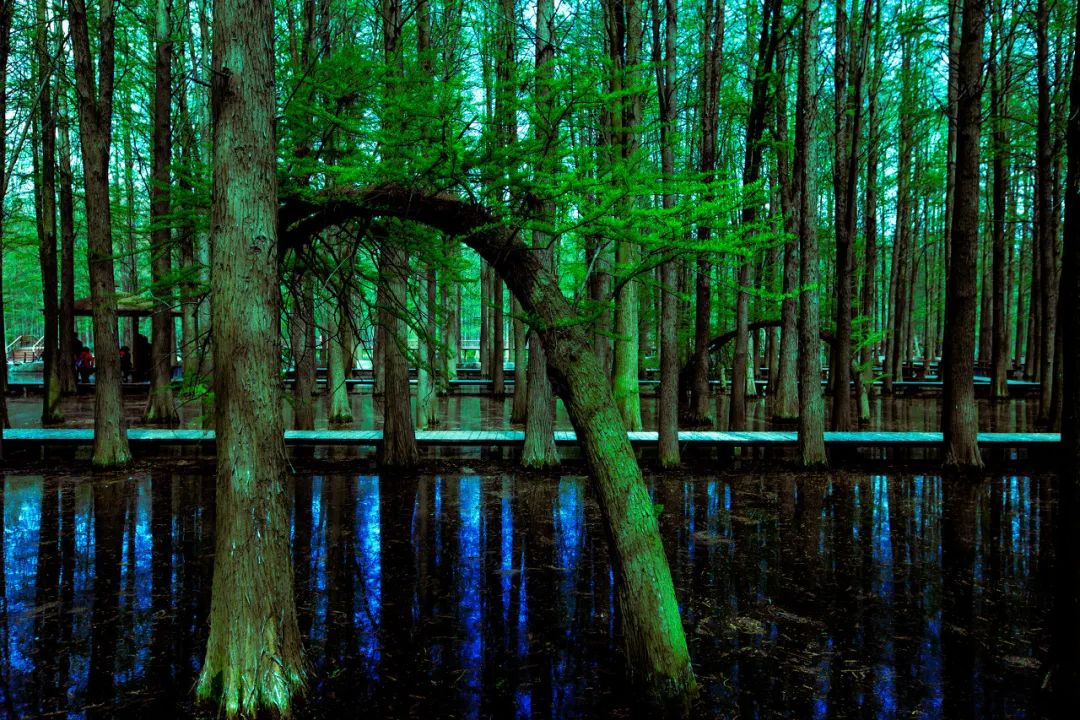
(95, 103)
(1045, 224)
(811, 403)
(786, 393)
(712, 50)
(45, 190)
(539, 450)
(665, 62)
(254, 662)
(161, 407)
(960, 418)
(6, 11)
(999, 80)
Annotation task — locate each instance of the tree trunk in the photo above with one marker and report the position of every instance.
(339, 362)
(451, 302)
(869, 287)
(6, 12)
(786, 396)
(95, 124)
(1065, 667)
(701, 406)
(539, 450)
(811, 403)
(843, 107)
(161, 407)
(960, 419)
(742, 373)
(303, 350)
(999, 389)
(399, 437)
(51, 410)
(1044, 199)
(66, 366)
(666, 72)
(254, 662)
(518, 406)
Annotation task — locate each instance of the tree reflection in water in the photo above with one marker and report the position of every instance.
(477, 596)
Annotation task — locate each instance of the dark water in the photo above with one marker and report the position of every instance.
(476, 596)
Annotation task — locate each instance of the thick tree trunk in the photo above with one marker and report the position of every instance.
(254, 662)
(45, 190)
(811, 403)
(1044, 199)
(1065, 667)
(161, 407)
(960, 419)
(398, 448)
(95, 123)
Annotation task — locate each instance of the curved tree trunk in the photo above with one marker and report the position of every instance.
(161, 407)
(95, 124)
(254, 662)
(960, 418)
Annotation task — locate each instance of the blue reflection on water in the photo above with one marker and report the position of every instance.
(506, 548)
(318, 560)
(22, 526)
(470, 584)
(367, 610)
(569, 530)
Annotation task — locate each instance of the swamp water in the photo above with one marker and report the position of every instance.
(469, 596)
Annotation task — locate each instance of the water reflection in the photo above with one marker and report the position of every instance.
(477, 596)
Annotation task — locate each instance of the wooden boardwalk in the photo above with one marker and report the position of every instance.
(47, 437)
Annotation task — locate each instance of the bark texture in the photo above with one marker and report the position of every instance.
(254, 662)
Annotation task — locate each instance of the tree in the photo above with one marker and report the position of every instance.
(5, 52)
(45, 189)
(811, 404)
(254, 662)
(960, 419)
(161, 407)
(95, 103)
(666, 72)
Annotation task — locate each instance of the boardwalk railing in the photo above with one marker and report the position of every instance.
(43, 437)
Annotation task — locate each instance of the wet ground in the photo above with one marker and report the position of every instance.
(481, 412)
(491, 595)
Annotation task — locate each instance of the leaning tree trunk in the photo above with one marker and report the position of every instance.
(95, 125)
(161, 407)
(254, 661)
(960, 417)
(811, 403)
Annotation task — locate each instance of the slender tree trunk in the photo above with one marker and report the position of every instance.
(303, 350)
(712, 43)
(519, 404)
(161, 407)
(6, 12)
(666, 72)
(870, 229)
(66, 363)
(811, 403)
(51, 410)
(999, 389)
(95, 124)
(960, 419)
(451, 302)
(843, 106)
(254, 661)
(339, 362)
(786, 398)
